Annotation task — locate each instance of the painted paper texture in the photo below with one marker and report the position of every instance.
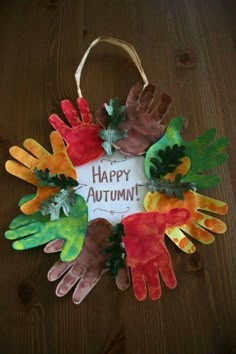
(37, 157)
(199, 226)
(147, 254)
(87, 269)
(30, 231)
(83, 142)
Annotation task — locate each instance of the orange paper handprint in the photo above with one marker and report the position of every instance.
(37, 157)
(199, 223)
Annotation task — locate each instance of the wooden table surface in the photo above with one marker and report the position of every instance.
(187, 48)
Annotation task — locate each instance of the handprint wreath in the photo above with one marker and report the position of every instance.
(175, 170)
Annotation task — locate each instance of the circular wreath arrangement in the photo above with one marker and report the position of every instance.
(174, 170)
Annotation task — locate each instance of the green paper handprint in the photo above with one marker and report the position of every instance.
(203, 153)
(34, 230)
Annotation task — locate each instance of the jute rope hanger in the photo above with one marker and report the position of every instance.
(128, 48)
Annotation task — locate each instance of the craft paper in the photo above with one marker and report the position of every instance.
(83, 142)
(146, 250)
(202, 152)
(30, 231)
(143, 124)
(198, 225)
(58, 162)
(113, 187)
(88, 268)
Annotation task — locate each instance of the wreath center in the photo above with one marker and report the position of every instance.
(113, 186)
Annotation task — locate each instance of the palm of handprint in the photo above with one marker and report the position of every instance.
(146, 250)
(143, 124)
(83, 142)
(39, 158)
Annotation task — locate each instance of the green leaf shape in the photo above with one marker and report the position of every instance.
(116, 251)
(61, 201)
(116, 114)
(175, 188)
(166, 160)
(45, 178)
(203, 152)
(30, 231)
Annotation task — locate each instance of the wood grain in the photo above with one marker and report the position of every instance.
(187, 47)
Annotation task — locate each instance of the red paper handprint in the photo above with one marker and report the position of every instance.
(83, 143)
(146, 250)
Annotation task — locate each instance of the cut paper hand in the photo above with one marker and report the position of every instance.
(198, 225)
(83, 143)
(37, 157)
(146, 250)
(89, 267)
(143, 124)
(30, 231)
(201, 154)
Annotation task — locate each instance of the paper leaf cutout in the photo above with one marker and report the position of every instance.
(175, 188)
(45, 178)
(63, 200)
(116, 250)
(166, 160)
(116, 114)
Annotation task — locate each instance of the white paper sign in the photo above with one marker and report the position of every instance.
(113, 187)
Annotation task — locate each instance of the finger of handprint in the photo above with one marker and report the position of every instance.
(209, 204)
(72, 248)
(84, 111)
(210, 223)
(133, 95)
(35, 148)
(165, 268)
(153, 281)
(31, 206)
(86, 284)
(59, 125)
(123, 278)
(202, 181)
(146, 97)
(217, 146)
(21, 220)
(166, 101)
(70, 279)
(53, 246)
(208, 162)
(180, 240)
(203, 139)
(139, 284)
(70, 113)
(20, 171)
(57, 142)
(22, 231)
(162, 107)
(23, 157)
(30, 242)
(58, 269)
(198, 233)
